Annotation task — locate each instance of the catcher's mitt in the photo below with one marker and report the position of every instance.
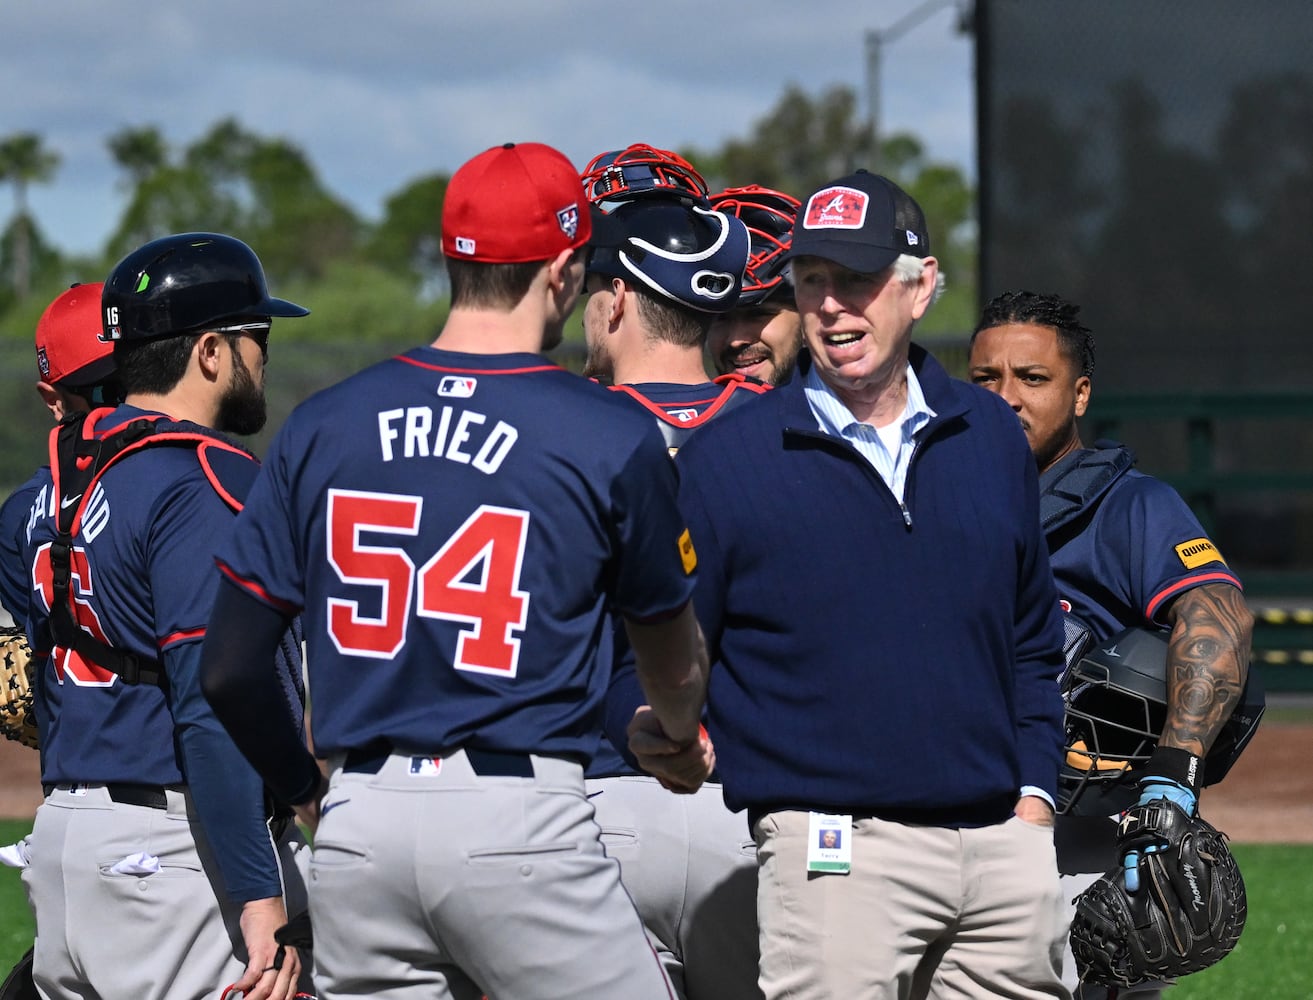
(17, 721)
(1187, 915)
(18, 984)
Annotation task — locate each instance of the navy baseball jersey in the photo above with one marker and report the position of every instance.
(453, 528)
(682, 409)
(679, 411)
(1138, 548)
(142, 582)
(15, 517)
(139, 586)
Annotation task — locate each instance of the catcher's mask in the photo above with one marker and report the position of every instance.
(641, 171)
(1116, 706)
(186, 283)
(769, 216)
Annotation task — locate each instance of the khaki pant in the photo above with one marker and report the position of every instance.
(925, 912)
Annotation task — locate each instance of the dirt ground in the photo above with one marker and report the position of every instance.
(1267, 797)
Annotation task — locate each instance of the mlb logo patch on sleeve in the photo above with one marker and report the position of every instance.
(1198, 552)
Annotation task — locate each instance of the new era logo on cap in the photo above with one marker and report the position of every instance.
(836, 207)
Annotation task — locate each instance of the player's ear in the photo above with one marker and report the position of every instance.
(52, 398)
(208, 353)
(1082, 395)
(560, 275)
(620, 299)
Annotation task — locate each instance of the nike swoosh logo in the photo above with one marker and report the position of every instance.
(331, 806)
(65, 504)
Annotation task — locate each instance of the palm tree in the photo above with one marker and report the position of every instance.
(141, 152)
(22, 162)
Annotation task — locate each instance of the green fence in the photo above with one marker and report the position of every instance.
(1231, 447)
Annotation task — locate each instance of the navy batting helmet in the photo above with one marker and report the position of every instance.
(769, 216)
(185, 283)
(681, 251)
(1116, 707)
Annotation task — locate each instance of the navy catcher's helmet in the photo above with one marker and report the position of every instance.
(641, 171)
(184, 283)
(769, 216)
(680, 251)
(1116, 706)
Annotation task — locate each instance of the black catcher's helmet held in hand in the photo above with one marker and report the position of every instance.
(1116, 705)
(184, 283)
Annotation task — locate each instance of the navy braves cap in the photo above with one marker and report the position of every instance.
(862, 221)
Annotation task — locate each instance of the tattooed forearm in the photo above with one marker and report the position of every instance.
(1207, 662)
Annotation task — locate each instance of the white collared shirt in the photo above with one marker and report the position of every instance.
(874, 445)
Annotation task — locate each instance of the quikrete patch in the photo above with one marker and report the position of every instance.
(686, 554)
(1197, 552)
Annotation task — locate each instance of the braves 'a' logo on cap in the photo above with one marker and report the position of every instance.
(568, 219)
(836, 208)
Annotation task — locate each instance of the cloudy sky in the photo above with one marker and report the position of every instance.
(377, 93)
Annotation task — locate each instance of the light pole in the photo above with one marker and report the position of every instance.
(875, 39)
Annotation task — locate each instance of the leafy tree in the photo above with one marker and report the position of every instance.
(298, 226)
(141, 152)
(409, 239)
(804, 142)
(263, 191)
(798, 146)
(24, 161)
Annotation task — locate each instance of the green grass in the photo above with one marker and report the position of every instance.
(16, 926)
(1273, 961)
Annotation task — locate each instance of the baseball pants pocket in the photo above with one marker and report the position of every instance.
(514, 854)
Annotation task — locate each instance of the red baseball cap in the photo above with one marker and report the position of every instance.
(513, 204)
(69, 348)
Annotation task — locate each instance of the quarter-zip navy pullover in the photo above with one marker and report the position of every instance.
(866, 658)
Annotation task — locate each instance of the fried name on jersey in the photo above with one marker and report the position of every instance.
(454, 434)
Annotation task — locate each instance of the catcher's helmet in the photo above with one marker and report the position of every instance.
(1116, 706)
(681, 251)
(641, 171)
(769, 216)
(184, 283)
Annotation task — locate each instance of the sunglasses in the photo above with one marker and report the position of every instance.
(259, 332)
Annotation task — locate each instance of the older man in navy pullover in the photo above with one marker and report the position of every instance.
(877, 599)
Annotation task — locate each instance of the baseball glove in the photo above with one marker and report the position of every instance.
(17, 721)
(18, 984)
(1187, 915)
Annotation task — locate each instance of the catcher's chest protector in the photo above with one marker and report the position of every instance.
(80, 453)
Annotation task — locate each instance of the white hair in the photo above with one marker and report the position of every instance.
(908, 270)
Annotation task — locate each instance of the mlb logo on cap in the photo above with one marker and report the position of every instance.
(514, 204)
